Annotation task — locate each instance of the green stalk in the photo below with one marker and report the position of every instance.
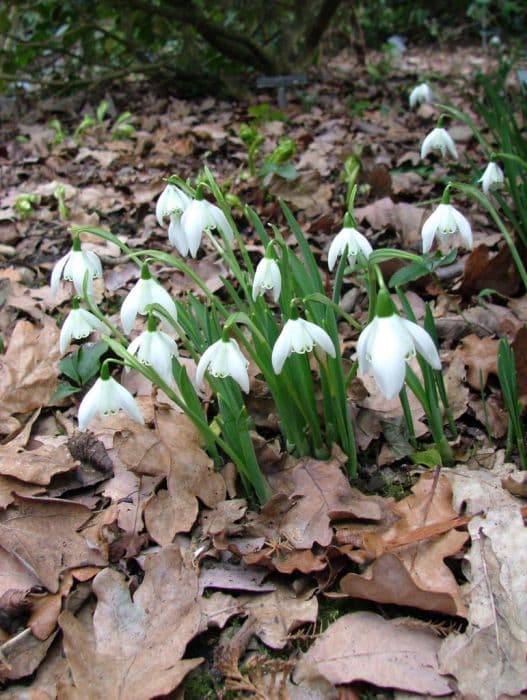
(486, 203)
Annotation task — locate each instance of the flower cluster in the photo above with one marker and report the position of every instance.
(189, 219)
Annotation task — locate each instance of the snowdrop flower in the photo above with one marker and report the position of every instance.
(224, 359)
(299, 336)
(172, 201)
(145, 292)
(492, 177)
(74, 266)
(421, 93)
(155, 349)
(105, 398)
(388, 342)
(78, 324)
(199, 216)
(445, 221)
(438, 139)
(351, 240)
(267, 277)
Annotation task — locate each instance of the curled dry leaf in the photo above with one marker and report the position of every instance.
(423, 578)
(136, 646)
(47, 551)
(495, 640)
(40, 465)
(22, 654)
(387, 653)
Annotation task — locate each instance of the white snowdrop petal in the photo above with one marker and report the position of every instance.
(57, 272)
(130, 307)
(176, 235)
(464, 228)
(282, 348)
(126, 401)
(89, 405)
(424, 344)
(204, 363)
(321, 338)
(429, 229)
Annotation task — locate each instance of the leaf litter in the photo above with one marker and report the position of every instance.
(123, 553)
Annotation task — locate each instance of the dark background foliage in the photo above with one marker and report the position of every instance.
(199, 46)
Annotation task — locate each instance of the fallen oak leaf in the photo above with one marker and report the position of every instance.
(279, 613)
(39, 465)
(190, 476)
(496, 637)
(41, 533)
(323, 494)
(389, 581)
(423, 578)
(387, 653)
(135, 647)
(28, 371)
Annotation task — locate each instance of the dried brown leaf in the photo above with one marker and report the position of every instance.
(278, 613)
(22, 654)
(324, 494)
(191, 476)
(135, 647)
(49, 457)
(42, 534)
(387, 653)
(495, 640)
(480, 356)
(424, 580)
(28, 371)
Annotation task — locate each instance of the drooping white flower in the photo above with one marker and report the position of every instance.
(267, 277)
(438, 139)
(445, 221)
(421, 93)
(492, 177)
(176, 235)
(384, 347)
(349, 238)
(105, 398)
(73, 268)
(300, 336)
(79, 324)
(146, 291)
(156, 349)
(224, 359)
(200, 215)
(171, 201)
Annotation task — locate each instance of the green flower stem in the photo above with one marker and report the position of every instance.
(218, 195)
(382, 254)
(486, 203)
(431, 408)
(372, 291)
(407, 412)
(333, 376)
(462, 117)
(509, 156)
(108, 236)
(261, 488)
(284, 396)
(95, 311)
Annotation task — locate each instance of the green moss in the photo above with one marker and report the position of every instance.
(198, 685)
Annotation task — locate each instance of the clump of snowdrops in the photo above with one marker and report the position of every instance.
(274, 316)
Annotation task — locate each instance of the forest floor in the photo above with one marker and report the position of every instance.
(129, 568)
